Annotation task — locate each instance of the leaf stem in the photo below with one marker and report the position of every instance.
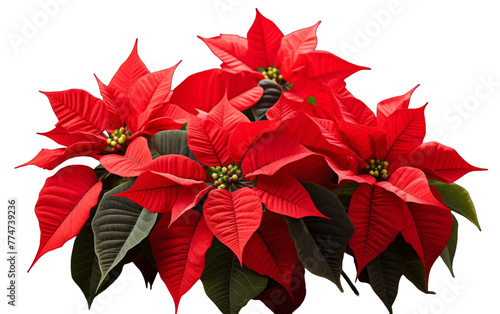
(349, 282)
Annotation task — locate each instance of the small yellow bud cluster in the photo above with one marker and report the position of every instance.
(377, 168)
(225, 176)
(117, 140)
(272, 73)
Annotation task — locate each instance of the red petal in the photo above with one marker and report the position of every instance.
(439, 162)
(271, 251)
(427, 229)
(411, 185)
(179, 251)
(157, 125)
(278, 300)
(208, 142)
(387, 107)
(284, 108)
(282, 194)
(177, 165)
(233, 217)
(136, 156)
(64, 206)
(129, 72)
(317, 70)
(78, 111)
(296, 43)
(233, 51)
(270, 153)
(264, 40)
(205, 89)
(377, 219)
(160, 192)
(63, 137)
(405, 131)
(150, 92)
(226, 116)
(246, 134)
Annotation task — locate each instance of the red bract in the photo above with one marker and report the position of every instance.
(385, 155)
(132, 105)
(291, 61)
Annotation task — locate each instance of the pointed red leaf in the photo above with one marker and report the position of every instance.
(278, 300)
(226, 116)
(179, 251)
(438, 162)
(296, 43)
(63, 137)
(246, 134)
(264, 40)
(150, 92)
(353, 110)
(233, 217)
(405, 131)
(411, 185)
(270, 153)
(64, 206)
(232, 50)
(377, 218)
(284, 195)
(129, 72)
(136, 156)
(51, 158)
(154, 126)
(208, 142)
(203, 90)
(387, 107)
(271, 251)
(427, 229)
(160, 192)
(316, 70)
(285, 108)
(77, 110)
(177, 165)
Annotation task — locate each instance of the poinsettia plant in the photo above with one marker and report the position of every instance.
(244, 177)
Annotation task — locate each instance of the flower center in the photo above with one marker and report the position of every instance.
(225, 176)
(273, 74)
(377, 168)
(117, 140)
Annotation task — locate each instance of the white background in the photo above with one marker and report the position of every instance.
(449, 47)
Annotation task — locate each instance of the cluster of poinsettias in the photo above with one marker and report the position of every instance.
(247, 175)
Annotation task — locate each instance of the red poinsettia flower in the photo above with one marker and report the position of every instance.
(291, 61)
(243, 169)
(132, 105)
(387, 157)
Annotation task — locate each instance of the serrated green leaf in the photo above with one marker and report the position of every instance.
(119, 225)
(448, 253)
(458, 200)
(320, 242)
(229, 285)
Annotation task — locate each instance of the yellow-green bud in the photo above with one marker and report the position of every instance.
(234, 177)
(109, 140)
(222, 186)
(215, 176)
(113, 143)
(224, 169)
(122, 139)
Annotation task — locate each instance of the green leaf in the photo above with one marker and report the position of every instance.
(170, 142)
(448, 253)
(229, 285)
(415, 272)
(344, 193)
(85, 265)
(119, 225)
(321, 243)
(272, 93)
(311, 100)
(458, 200)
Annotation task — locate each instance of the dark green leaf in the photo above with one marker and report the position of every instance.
(272, 92)
(457, 199)
(119, 225)
(344, 193)
(320, 242)
(448, 253)
(311, 100)
(415, 272)
(170, 142)
(85, 265)
(229, 285)
(148, 270)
